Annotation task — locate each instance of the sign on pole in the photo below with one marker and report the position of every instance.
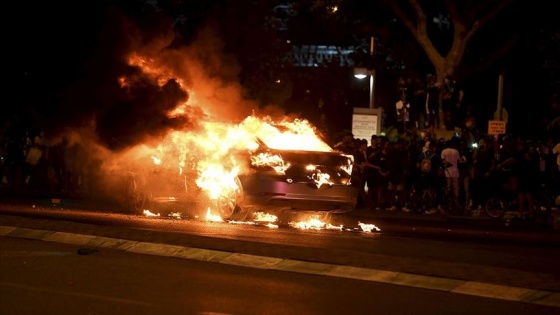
(366, 122)
(496, 127)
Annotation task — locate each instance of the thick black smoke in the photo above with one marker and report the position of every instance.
(78, 72)
(140, 114)
(127, 105)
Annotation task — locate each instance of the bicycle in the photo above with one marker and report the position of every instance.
(505, 199)
(426, 198)
(543, 199)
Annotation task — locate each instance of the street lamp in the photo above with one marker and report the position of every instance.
(362, 73)
(367, 121)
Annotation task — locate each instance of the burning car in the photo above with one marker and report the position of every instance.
(259, 166)
(298, 180)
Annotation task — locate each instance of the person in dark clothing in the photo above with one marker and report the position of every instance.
(378, 177)
(464, 166)
(523, 178)
(413, 151)
(432, 94)
(434, 178)
(57, 164)
(398, 172)
(452, 103)
(418, 104)
(402, 105)
(482, 163)
(347, 144)
(359, 173)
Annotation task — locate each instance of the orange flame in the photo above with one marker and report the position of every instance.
(148, 213)
(216, 152)
(265, 217)
(368, 227)
(213, 217)
(321, 178)
(273, 160)
(286, 135)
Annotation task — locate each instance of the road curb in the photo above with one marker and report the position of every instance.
(455, 286)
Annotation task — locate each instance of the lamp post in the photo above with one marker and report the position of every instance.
(362, 73)
(367, 121)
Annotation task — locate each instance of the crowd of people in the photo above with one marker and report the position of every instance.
(385, 171)
(30, 162)
(418, 104)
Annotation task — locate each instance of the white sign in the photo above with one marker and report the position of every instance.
(366, 122)
(364, 126)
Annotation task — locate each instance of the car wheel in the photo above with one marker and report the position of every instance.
(495, 207)
(229, 204)
(136, 195)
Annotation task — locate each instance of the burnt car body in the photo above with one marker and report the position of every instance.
(289, 180)
(303, 185)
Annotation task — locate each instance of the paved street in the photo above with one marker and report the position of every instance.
(531, 287)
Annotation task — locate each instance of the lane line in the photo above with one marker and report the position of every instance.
(456, 286)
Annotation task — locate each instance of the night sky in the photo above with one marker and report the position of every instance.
(64, 59)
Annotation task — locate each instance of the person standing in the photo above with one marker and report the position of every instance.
(465, 164)
(523, 178)
(347, 145)
(432, 102)
(452, 99)
(359, 173)
(418, 104)
(450, 158)
(413, 150)
(402, 105)
(378, 178)
(429, 177)
(482, 164)
(398, 172)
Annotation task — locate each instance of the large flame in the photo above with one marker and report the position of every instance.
(216, 151)
(288, 135)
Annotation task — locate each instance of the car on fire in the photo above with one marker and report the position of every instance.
(278, 180)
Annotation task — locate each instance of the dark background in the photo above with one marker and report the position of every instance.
(61, 56)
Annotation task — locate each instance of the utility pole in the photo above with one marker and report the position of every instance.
(500, 95)
(371, 76)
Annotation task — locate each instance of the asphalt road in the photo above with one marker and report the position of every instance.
(57, 278)
(63, 222)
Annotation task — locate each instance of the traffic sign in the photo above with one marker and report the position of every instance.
(496, 127)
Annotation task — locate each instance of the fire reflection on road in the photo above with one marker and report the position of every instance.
(306, 222)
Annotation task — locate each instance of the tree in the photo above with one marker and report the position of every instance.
(466, 20)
